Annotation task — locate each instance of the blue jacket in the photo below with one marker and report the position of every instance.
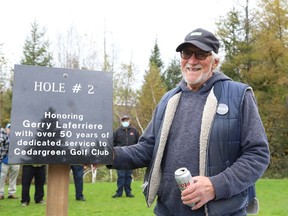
(225, 145)
(149, 147)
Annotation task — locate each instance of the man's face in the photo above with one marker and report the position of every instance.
(125, 122)
(197, 69)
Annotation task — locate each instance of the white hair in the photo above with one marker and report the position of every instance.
(215, 55)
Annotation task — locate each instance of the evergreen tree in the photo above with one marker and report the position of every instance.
(234, 34)
(172, 75)
(155, 57)
(152, 89)
(36, 48)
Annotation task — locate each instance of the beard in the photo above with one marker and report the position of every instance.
(202, 78)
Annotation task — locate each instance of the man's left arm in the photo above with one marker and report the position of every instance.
(244, 172)
(254, 156)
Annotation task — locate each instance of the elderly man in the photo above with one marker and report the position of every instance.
(208, 124)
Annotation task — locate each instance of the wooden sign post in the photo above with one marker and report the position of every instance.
(57, 190)
(60, 117)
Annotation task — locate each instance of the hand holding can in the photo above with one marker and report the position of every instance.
(184, 179)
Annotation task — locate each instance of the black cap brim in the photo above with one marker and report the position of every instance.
(195, 43)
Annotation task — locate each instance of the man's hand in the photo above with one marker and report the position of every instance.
(198, 193)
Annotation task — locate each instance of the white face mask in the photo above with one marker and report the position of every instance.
(125, 124)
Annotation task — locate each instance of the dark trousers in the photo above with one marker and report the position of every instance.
(78, 180)
(124, 181)
(39, 174)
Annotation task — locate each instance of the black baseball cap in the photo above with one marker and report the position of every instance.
(201, 38)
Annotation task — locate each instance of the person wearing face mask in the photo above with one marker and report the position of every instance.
(125, 135)
(208, 124)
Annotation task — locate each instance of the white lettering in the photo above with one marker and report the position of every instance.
(28, 124)
(63, 116)
(49, 87)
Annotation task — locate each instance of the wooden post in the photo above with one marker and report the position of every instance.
(57, 190)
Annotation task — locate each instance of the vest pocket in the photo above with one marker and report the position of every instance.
(226, 207)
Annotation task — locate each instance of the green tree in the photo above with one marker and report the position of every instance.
(149, 95)
(269, 78)
(155, 57)
(152, 89)
(36, 48)
(172, 75)
(234, 33)
(257, 53)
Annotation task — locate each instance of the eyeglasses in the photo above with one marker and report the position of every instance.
(199, 54)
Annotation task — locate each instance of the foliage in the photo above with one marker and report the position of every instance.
(234, 33)
(256, 53)
(155, 57)
(6, 106)
(4, 92)
(269, 77)
(36, 49)
(172, 75)
(151, 91)
(150, 94)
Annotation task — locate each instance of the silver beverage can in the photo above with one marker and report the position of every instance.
(184, 179)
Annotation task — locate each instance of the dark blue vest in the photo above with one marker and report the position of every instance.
(225, 136)
(224, 142)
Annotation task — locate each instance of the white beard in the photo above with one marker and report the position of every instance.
(201, 79)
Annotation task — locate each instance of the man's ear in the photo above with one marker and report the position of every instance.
(215, 63)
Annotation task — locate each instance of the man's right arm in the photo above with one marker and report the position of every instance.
(138, 155)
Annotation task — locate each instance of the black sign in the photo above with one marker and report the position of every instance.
(61, 116)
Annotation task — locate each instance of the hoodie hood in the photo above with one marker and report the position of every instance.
(217, 76)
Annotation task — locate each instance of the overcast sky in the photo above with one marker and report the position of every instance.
(132, 26)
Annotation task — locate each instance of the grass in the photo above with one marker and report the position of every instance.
(271, 193)
(99, 202)
(273, 197)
